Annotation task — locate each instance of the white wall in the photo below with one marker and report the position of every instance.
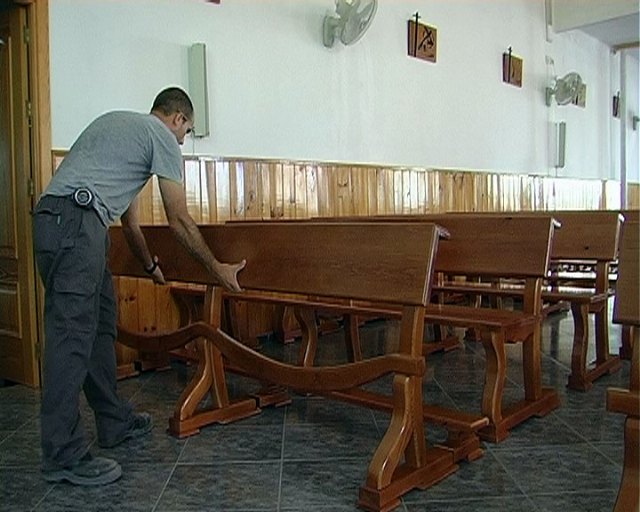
(588, 149)
(632, 109)
(275, 91)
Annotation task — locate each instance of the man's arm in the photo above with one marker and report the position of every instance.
(137, 242)
(186, 231)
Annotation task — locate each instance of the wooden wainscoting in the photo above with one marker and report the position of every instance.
(234, 189)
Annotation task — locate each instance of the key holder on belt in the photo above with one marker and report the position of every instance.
(83, 197)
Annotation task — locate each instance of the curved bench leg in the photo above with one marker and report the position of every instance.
(578, 379)
(388, 478)
(352, 338)
(307, 320)
(209, 378)
(581, 378)
(495, 373)
(606, 363)
(538, 401)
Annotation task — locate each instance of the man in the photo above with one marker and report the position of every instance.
(98, 182)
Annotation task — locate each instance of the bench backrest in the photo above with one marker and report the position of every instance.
(626, 309)
(585, 235)
(631, 215)
(503, 246)
(487, 245)
(387, 262)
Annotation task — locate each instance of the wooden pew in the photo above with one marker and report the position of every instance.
(499, 246)
(286, 263)
(589, 238)
(626, 311)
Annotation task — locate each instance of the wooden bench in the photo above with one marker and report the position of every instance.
(288, 263)
(461, 426)
(500, 246)
(626, 311)
(588, 238)
(627, 330)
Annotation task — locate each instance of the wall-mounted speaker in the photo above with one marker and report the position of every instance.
(198, 88)
(561, 144)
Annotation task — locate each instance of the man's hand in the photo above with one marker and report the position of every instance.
(227, 275)
(188, 234)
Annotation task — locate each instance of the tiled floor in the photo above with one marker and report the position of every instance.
(312, 455)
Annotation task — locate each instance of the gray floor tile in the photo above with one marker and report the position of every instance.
(15, 415)
(21, 489)
(330, 441)
(537, 432)
(483, 478)
(598, 501)
(559, 469)
(612, 451)
(136, 491)
(21, 450)
(314, 454)
(319, 410)
(331, 485)
(596, 425)
(234, 443)
(224, 488)
(500, 503)
(156, 447)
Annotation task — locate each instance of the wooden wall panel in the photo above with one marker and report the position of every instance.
(252, 191)
(633, 196)
(218, 190)
(193, 189)
(312, 191)
(208, 184)
(223, 192)
(127, 296)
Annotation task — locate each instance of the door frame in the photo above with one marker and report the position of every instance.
(39, 90)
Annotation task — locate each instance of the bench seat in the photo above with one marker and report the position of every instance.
(582, 301)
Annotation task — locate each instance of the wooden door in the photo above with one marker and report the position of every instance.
(18, 333)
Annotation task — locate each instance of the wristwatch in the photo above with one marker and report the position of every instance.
(150, 270)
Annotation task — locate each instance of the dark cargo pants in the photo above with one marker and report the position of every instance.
(71, 244)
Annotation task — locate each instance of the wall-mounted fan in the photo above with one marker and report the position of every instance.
(354, 18)
(564, 89)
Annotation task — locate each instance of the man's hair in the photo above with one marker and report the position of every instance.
(172, 100)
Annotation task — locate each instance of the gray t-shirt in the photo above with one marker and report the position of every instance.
(114, 157)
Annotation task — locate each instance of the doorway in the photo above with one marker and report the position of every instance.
(18, 316)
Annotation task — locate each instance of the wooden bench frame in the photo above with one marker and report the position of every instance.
(590, 238)
(626, 311)
(369, 267)
(462, 427)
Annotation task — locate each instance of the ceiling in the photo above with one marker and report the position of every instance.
(617, 32)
